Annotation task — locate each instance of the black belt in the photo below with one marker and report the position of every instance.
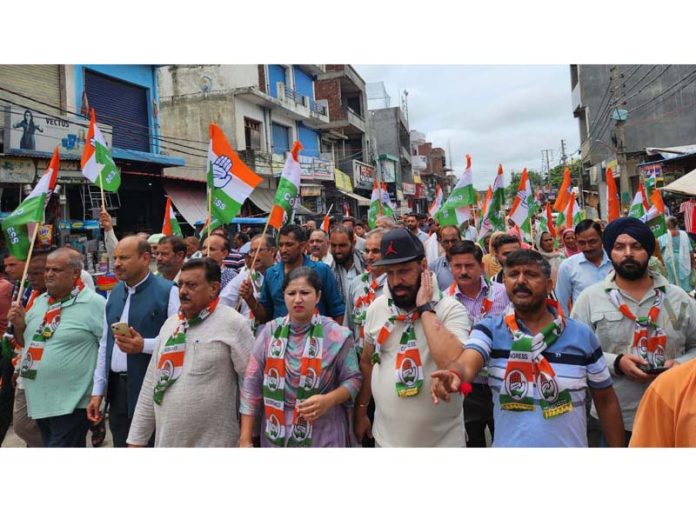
(120, 375)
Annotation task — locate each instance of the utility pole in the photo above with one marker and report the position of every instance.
(545, 162)
(564, 157)
(619, 115)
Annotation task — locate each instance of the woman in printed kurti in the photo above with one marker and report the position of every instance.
(303, 374)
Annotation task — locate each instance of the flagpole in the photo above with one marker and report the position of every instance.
(330, 208)
(210, 218)
(253, 262)
(26, 265)
(101, 190)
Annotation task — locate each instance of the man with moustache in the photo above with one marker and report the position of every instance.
(319, 247)
(292, 241)
(60, 335)
(189, 397)
(540, 366)
(171, 254)
(447, 236)
(363, 291)
(409, 332)
(583, 269)
(347, 260)
(481, 298)
(144, 301)
(645, 324)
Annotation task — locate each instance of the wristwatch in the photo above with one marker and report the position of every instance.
(428, 306)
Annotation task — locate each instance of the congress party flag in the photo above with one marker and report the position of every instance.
(97, 163)
(31, 210)
(170, 225)
(639, 206)
(524, 206)
(463, 193)
(573, 214)
(437, 202)
(230, 181)
(655, 216)
(288, 189)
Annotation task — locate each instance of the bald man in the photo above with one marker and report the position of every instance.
(143, 301)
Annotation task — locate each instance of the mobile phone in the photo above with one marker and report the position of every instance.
(653, 371)
(120, 328)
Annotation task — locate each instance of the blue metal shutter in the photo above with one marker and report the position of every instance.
(123, 106)
(276, 74)
(304, 83)
(309, 140)
(281, 137)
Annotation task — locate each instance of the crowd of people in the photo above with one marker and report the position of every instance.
(356, 338)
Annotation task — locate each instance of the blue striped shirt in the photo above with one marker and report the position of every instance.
(579, 363)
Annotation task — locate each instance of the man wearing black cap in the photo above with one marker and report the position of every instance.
(645, 324)
(409, 332)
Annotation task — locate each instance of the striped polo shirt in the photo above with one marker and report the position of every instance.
(577, 360)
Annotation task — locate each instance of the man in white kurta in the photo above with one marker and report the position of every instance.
(200, 408)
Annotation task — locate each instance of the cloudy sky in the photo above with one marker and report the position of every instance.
(497, 114)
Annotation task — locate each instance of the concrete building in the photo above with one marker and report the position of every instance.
(655, 103)
(57, 99)
(262, 109)
(345, 134)
(388, 127)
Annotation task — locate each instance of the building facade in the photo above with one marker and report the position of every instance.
(652, 104)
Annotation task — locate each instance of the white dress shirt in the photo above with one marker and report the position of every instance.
(119, 359)
(229, 296)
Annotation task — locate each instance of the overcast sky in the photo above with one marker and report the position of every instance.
(497, 114)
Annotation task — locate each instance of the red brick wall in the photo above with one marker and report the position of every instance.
(330, 90)
(335, 67)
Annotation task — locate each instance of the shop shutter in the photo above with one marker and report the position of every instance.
(40, 82)
(123, 106)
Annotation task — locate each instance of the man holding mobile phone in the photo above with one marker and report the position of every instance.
(143, 302)
(645, 324)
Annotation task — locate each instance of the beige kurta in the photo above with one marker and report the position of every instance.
(201, 407)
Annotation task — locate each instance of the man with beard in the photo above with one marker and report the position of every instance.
(358, 240)
(363, 291)
(144, 301)
(481, 298)
(410, 331)
(645, 324)
(412, 225)
(583, 269)
(347, 261)
(292, 241)
(540, 366)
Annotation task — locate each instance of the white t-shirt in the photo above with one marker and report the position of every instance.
(414, 421)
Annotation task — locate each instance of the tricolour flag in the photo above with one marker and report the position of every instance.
(288, 189)
(31, 210)
(463, 193)
(437, 202)
(97, 163)
(454, 216)
(655, 216)
(325, 224)
(524, 206)
(573, 214)
(170, 225)
(486, 226)
(375, 205)
(563, 197)
(613, 205)
(640, 205)
(229, 179)
(547, 221)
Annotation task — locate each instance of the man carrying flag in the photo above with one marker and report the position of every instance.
(97, 163)
(230, 181)
(288, 189)
(171, 225)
